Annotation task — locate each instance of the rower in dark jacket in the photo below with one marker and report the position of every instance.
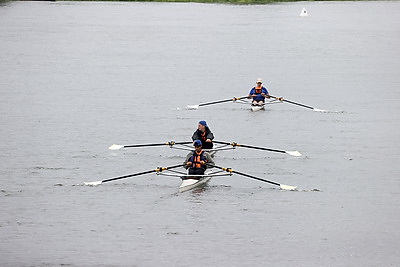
(198, 160)
(204, 134)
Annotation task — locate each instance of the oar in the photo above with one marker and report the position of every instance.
(234, 144)
(159, 169)
(301, 105)
(282, 186)
(171, 143)
(214, 102)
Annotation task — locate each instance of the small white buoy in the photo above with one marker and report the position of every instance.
(303, 13)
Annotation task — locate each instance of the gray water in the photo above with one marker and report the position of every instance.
(76, 77)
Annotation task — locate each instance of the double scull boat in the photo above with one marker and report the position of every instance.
(193, 181)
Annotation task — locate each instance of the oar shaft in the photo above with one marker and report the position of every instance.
(215, 102)
(256, 178)
(263, 148)
(160, 169)
(127, 176)
(222, 101)
(302, 105)
(159, 144)
(246, 175)
(291, 102)
(234, 144)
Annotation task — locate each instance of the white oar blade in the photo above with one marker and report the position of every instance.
(115, 147)
(93, 183)
(192, 107)
(294, 153)
(288, 187)
(320, 110)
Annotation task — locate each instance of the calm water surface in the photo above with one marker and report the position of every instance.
(76, 77)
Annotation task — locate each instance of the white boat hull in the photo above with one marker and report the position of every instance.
(255, 108)
(188, 184)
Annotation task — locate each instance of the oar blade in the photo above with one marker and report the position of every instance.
(115, 147)
(93, 183)
(320, 110)
(294, 153)
(287, 187)
(192, 107)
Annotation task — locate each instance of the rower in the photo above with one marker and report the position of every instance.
(204, 134)
(258, 93)
(198, 160)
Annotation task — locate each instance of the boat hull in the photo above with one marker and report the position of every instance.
(256, 108)
(189, 183)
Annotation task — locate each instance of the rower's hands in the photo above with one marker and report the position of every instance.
(208, 140)
(189, 163)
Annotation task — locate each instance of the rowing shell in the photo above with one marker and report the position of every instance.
(255, 108)
(193, 181)
(190, 183)
(258, 106)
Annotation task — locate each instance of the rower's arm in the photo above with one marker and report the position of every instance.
(266, 92)
(210, 136)
(195, 136)
(251, 93)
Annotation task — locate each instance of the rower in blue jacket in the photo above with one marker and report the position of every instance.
(258, 93)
